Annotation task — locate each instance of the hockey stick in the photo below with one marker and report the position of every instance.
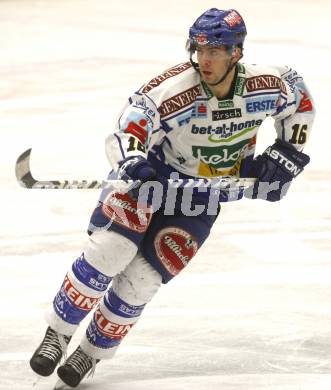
(26, 180)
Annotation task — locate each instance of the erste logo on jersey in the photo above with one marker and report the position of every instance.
(175, 247)
(262, 104)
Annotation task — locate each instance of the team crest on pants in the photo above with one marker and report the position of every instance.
(124, 210)
(175, 247)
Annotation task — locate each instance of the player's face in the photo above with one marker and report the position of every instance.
(213, 62)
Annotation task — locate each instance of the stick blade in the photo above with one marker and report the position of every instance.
(22, 170)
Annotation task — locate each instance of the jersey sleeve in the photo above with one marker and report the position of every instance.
(134, 130)
(295, 110)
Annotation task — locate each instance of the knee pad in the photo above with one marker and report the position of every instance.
(109, 252)
(138, 283)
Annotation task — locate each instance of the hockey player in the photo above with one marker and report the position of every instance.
(198, 119)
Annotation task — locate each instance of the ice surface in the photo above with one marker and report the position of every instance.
(252, 311)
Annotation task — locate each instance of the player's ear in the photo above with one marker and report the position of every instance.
(236, 53)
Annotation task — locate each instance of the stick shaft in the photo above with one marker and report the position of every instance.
(26, 180)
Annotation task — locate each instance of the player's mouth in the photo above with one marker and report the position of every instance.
(206, 74)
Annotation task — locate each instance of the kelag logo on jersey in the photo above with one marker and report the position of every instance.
(220, 156)
(226, 114)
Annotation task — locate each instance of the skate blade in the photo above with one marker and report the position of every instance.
(59, 385)
(36, 381)
(39, 382)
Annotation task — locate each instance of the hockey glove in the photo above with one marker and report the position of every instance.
(275, 169)
(137, 168)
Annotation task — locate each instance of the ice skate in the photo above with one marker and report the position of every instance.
(76, 367)
(49, 353)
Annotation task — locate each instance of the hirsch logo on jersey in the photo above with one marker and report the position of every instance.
(220, 115)
(179, 101)
(220, 156)
(265, 82)
(175, 247)
(109, 328)
(166, 75)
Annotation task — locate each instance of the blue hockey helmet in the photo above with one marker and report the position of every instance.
(217, 27)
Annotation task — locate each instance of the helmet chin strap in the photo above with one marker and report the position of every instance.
(230, 67)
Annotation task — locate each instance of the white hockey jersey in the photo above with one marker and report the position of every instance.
(176, 120)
